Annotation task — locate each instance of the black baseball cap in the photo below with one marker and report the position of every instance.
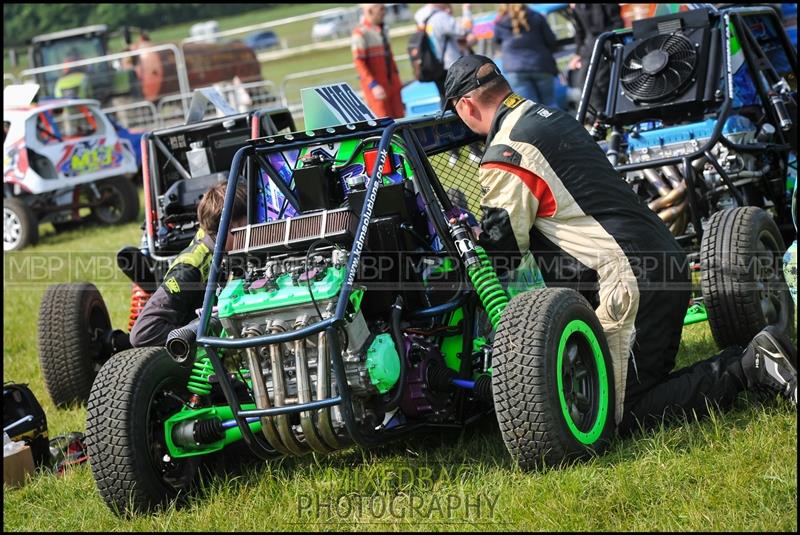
(462, 77)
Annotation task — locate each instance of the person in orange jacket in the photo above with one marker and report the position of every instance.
(374, 61)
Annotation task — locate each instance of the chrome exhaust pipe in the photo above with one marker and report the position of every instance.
(324, 391)
(672, 198)
(672, 202)
(260, 393)
(678, 181)
(671, 214)
(279, 390)
(672, 174)
(656, 181)
(304, 390)
(679, 226)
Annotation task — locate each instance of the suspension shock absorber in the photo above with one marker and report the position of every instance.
(202, 370)
(483, 276)
(139, 298)
(487, 284)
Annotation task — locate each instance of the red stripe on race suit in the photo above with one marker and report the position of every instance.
(535, 183)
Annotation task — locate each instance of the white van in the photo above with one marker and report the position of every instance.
(204, 31)
(339, 23)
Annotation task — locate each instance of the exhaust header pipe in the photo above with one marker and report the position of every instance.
(181, 342)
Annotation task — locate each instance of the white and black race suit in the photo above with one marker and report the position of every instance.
(548, 187)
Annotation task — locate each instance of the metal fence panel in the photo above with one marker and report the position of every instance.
(138, 116)
(243, 97)
(9, 79)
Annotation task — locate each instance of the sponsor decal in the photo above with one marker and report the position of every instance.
(89, 157)
(332, 105)
(172, 285)
(513, 100)
(366, 215)
(15, 162)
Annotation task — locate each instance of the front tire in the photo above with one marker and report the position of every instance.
(20, 225)
(73, 322)
(122, 204)
(133, 394)
(742, 277)
(552, 379)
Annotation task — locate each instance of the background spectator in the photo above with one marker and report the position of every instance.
(74, 82)
(591, 20)
(527, 45)
(374, 61)
(452, 37)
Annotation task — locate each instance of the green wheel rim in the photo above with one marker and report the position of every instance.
(581, 337)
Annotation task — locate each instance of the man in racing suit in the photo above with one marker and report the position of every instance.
(174, 303)
(548, 187)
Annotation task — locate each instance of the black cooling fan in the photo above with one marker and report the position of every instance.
(658, 68)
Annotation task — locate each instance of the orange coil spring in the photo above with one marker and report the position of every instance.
(138, 299)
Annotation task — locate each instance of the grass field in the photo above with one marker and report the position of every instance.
(732, 472)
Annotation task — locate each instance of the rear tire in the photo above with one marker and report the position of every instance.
(552, 379)
(122, 205)
(73, 321)
(127, 450)
(742, 277)
(20, 225)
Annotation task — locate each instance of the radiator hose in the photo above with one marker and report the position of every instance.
(397, 335)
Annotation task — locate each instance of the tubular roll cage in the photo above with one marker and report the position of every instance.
(432, 193)
(152, 145)
(730, 17)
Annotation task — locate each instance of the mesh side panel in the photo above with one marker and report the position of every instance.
(458, 172)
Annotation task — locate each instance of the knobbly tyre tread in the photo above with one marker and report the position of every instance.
(119, 459)
(130, 196)
(524, 382)
(734, 313)
(64, 342)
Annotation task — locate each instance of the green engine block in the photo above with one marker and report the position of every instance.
(236, 300)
